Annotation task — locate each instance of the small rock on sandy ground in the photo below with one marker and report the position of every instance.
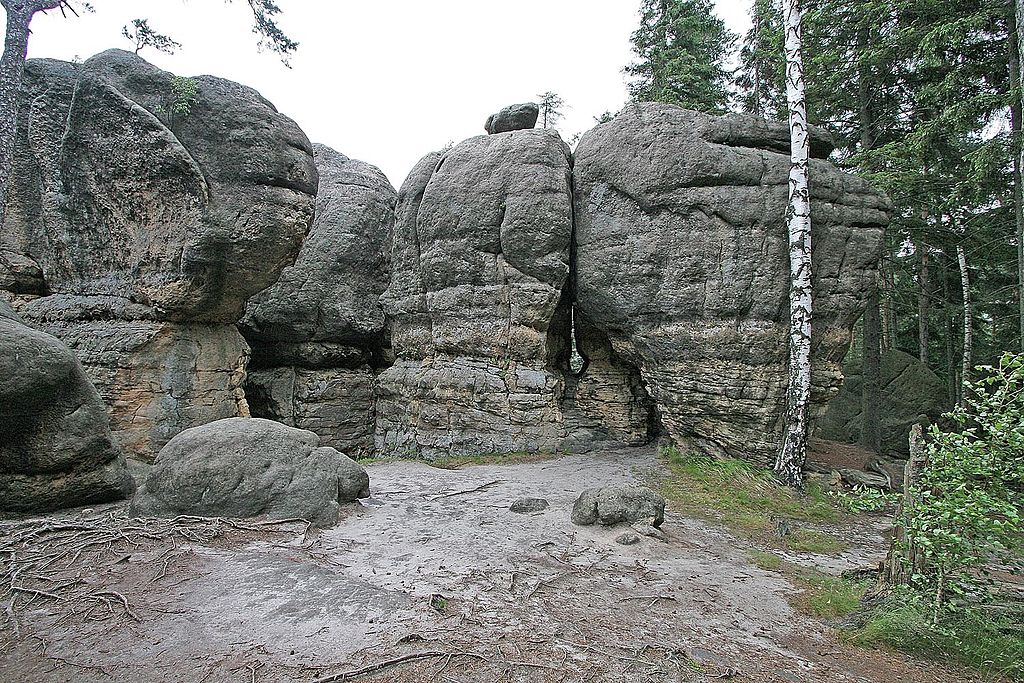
(525, 506)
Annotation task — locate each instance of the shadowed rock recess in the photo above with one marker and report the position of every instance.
(319, 334)
(146, 209)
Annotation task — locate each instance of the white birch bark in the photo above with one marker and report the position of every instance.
(790, 461)
(968, 350)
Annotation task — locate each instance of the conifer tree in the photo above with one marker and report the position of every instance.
(680, 50)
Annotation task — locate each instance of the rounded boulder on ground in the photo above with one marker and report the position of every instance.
(249, 467)
(617, 505)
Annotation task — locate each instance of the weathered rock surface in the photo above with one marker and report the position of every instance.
(909, 393)
(479, 300)
(682, 262)
(249, 467)
(56, 450)
(513, 117)
(152, 215)
(617, 505)
(319, 332)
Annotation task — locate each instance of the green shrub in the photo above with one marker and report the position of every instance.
(965, 510)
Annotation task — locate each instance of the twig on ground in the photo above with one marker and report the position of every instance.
(372, 668)
(465, 491)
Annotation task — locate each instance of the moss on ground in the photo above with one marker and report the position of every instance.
(749, 501)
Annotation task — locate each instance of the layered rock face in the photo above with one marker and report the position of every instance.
(55, 444)
(318, 335)
(682, 262)
(909, 393)
(152, 207)
(479, 300)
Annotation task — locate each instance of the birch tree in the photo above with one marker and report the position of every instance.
(790, 461)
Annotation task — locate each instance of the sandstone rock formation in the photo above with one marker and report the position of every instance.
(152, 208)
(681, 262)
(55, 445)
(318, 334)
(479, 300)
(248, 467)
(910, 393)
(513, 117)
(619, 505)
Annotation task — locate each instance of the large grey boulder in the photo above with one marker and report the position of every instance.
(153, 207)
(479, 300)
(682, 263)
(249, 467)
(909, 393)
(318, 334)
(619, 505)
(513, 117)
(56, 449)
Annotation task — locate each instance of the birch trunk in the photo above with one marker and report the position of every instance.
(12, 66)
(790, 462)
(1016, 109)
(965, 284)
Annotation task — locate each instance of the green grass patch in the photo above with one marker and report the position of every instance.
(811, 541)
(744, 497)
(828, 597)
(977, 638)
(818, 594)
(767, 561)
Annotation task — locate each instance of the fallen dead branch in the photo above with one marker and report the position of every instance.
(465, 491)
(379, 666)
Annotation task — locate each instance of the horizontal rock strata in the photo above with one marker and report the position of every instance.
(319, 333)
(479, 300)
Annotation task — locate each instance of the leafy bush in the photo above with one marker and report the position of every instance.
(865, 499)
(965, 510)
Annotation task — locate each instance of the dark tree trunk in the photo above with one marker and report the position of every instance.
(871, 371)
(922, 303)
(1018, 192)
(12, 66)
(968, 344)
(949, 323)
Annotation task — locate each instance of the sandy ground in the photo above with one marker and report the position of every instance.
(434, 562)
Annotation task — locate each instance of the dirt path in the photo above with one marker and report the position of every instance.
(435, 562)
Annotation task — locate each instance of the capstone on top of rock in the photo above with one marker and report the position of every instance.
(513, 117)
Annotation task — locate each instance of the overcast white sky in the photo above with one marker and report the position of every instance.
(387, 81)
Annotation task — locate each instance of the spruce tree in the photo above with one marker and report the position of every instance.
(681, 49)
